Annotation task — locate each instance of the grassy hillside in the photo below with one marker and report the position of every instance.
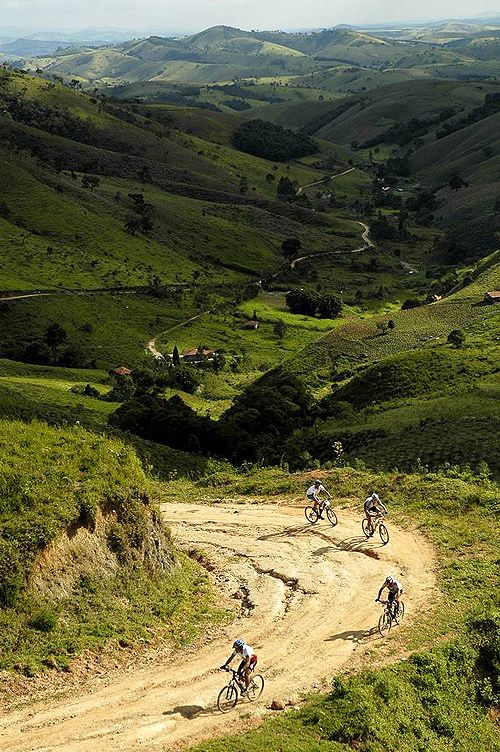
(83, 555)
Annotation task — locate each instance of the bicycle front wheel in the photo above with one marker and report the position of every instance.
(384, 624)
(332, 517)
(384, 533)
(227, 699)
(366, 527)
(311, 515)
(255, 688)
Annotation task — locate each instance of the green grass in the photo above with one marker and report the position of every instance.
(85, 497)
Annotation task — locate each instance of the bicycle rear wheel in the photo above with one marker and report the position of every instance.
(366, 527)
(255, 688)
(384, 533)
(384, 624)
(400, 613)
(332, 517)
(311, 515)
(227, 699)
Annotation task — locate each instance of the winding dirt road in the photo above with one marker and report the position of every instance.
(306, 604)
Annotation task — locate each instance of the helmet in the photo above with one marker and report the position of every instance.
(389, 579)
(317, 482)
(238, 644)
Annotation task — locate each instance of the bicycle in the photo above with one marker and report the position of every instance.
(377, 523)
(313, 515)
(389, 615)
(228, 696)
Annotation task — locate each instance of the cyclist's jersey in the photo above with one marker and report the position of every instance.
(314, 491)
(247, 652)
(395, 587)
(373, 503)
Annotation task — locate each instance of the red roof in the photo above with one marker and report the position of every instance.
(195, 352)
(493, 293)
(122, 371)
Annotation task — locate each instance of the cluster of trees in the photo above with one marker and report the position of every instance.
(140, 218)
(382, 229)
(254, 429)
(54, 348)
(312, 303)
(271, 141)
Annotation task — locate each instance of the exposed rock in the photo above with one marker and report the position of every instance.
(277, 705)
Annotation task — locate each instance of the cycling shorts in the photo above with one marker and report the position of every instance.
(253, 663)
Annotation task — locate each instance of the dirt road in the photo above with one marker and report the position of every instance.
(307, 608)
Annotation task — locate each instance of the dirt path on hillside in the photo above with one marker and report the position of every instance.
(365, 236)
(151, 346)
(307, 608)
(324, 180)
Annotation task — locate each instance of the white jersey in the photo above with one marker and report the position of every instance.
(315, 490)
(374, 501)
(395, 587)
(246, 652)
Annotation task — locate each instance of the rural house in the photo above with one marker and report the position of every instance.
(121, 371)
(252, 324)
(197, 355)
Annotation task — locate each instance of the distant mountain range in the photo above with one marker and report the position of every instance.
(446, 49)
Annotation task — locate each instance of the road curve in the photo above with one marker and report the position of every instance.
(306, 604)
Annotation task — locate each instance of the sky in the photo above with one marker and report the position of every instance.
(168, 16)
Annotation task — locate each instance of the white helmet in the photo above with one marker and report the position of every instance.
(389, 579)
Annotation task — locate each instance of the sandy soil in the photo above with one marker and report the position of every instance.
(306, 604)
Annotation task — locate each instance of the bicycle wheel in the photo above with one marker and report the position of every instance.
(332, 517)
(227, 699)
(401, 612)
(366, 527)
(255, 688)
(384, 624)
(384, 533)
(311, 515)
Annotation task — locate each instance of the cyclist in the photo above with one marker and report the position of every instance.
(373, 507)
(395, 589)
(248, 661)
(313, 494)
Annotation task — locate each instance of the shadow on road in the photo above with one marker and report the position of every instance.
(297, 530)
(190, 711)
(353, 635)
(357, 543)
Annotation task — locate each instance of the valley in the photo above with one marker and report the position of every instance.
(233, 262)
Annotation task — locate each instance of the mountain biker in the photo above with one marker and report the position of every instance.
(248, 661)
(313, 494)
(395, 589)
(373, 507)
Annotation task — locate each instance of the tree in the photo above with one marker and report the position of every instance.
(176, 358)
(133, 224)
(90, 182)
(290, 246)
(391, 324)
(280, 329)
(382, 326)
(285, 189)
(456, 338)
(55, 336)
(456, 182)
(329, 306)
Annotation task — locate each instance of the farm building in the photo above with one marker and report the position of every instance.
(121, 371)
(493, 296)
(252, 324)
(197, 355)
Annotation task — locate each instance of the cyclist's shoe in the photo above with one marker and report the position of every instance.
(243, 693)
(320, 517)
